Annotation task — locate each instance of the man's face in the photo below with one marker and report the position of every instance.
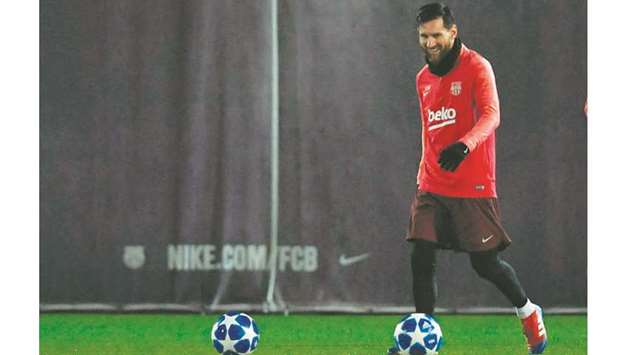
(436, 40)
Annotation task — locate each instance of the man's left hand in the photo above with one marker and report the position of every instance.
(452, 156)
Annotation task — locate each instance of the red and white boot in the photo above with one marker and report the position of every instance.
(534, 329)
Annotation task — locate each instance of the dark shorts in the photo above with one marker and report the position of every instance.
(461, 224)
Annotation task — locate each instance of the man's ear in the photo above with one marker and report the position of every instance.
(454, 31)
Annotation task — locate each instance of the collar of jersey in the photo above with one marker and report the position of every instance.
(448, 62)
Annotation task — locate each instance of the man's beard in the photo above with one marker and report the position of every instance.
(445, 61)
(440, 56)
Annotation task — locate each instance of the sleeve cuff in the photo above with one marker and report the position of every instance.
(470, 145)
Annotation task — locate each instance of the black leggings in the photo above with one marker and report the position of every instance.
(487, 265)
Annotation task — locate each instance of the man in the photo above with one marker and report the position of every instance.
(456, 206)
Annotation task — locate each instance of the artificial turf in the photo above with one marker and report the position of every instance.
(62, 333)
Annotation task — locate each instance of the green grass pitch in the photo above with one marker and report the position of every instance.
(62, 334)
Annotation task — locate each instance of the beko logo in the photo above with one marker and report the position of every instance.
(443, 117)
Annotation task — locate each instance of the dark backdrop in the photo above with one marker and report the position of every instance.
(155, 139)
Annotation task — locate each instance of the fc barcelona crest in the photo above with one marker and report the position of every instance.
(455, 88)
(134, 257)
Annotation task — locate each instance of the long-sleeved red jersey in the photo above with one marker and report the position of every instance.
(462, 105)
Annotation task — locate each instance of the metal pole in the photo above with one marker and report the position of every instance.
(275, 124)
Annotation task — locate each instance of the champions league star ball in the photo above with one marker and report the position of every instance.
(417, 334)
(235, 333)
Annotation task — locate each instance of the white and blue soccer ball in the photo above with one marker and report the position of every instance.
(235, 333)
(417, 334)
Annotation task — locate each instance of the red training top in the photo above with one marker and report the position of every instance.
(460, 106)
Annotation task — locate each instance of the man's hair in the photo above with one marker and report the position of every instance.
(433, 11)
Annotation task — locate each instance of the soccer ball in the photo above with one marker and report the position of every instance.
(417, 334)
(235, 333)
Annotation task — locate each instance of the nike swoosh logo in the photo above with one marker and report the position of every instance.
(484, 240)
(346, 261)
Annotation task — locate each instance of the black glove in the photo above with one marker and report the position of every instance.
(452, 156)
